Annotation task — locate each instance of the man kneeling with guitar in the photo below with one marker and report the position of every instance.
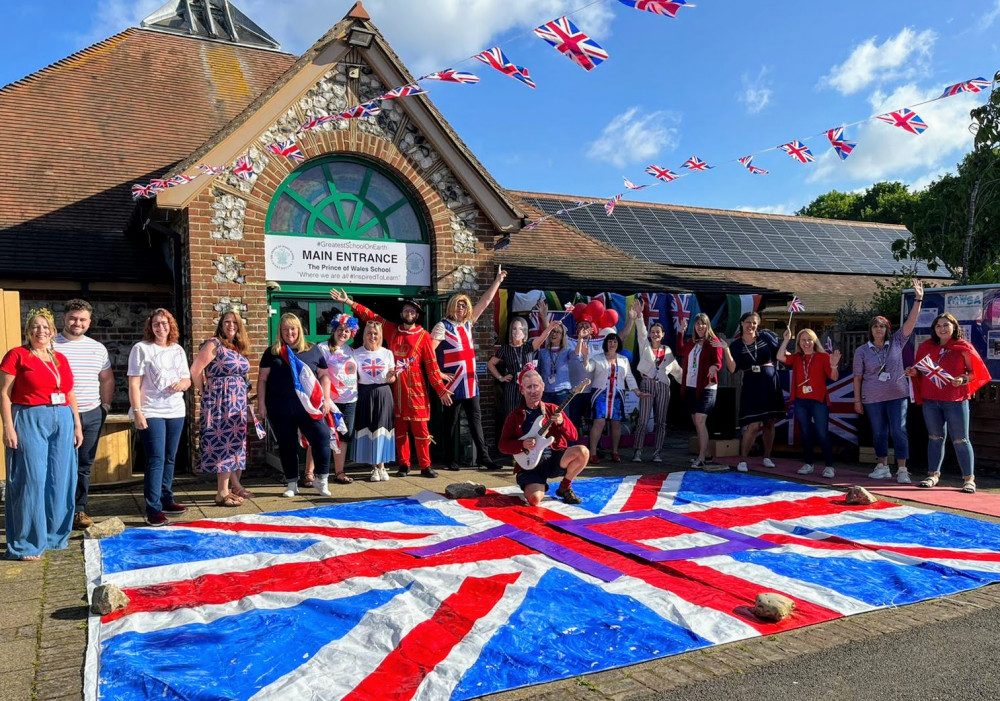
(526, 435)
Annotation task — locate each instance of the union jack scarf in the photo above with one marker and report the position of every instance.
(310, 394)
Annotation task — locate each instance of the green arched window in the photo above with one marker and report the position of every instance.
(342, 197)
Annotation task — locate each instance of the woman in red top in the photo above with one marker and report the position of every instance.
(41, 431)
(811, 368)
(700, 365)
(947, 370)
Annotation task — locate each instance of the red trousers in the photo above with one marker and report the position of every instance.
(421, 440)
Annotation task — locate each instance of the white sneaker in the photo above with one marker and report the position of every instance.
(742, 467)
(881, 472)
(829, 473)
(322, 485)
(903, 476)
(657, 458)
(376, 475)
(384, 474)
(805, 470)
(768, 462)
(293, 489)
(637, 457)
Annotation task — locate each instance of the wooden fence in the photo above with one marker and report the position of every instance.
(10, 336)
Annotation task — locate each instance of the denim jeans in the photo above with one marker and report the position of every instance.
(885, 417)
(91, 422)
(813, 419)
(942, 418)
(160, 442)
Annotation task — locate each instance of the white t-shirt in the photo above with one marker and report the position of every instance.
(374, 366)
(343, 369)
(87, 358)
(159, 367)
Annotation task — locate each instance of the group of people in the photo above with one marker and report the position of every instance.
(56, 391)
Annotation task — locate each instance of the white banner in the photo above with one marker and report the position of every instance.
(347, 261)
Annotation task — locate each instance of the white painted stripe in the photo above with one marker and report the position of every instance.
(762, 577)
(715, 626)
(818, 523)
(621, 495)
(683, 541)
(92, 667)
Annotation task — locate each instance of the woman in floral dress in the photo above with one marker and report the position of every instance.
(220, 371)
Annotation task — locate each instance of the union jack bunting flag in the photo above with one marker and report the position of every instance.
(535, 224)
(632, 186)
(142, 192)
(934, 372)
(496, 58)
(906, 119)
(798, 150)
(182, 180)
(211, 170)
(839, 144)
(429, 598)
(695, 163)
(664, 174)
(657, 7)
(452, 76)
(680, 309)
(366, 109)
(577, 205)
(288, 149)
(568, 40)
(159, 185)
(609, 206)
(403, 91)
(796, 305)
(752, 169)
(974, 85)
(314, 122)
(243, 168)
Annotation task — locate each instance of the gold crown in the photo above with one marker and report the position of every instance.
(41, 311)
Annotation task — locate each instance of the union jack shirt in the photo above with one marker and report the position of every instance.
(456, 356)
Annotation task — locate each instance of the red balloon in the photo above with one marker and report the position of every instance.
(578, 311)
(596, 308)
(610, 318)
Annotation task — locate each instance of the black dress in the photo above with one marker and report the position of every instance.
(761, 397)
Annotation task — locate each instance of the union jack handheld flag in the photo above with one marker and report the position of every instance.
(974, 85)
(796, 305)
(752, 169)
(568, 40)
(695, 163)
(402, 91)
(839, 144)
(664, 174)
(666, 8)
(798, 150)
(288, 149)
(934, 372)
(243, 168)
(450, 75)
(906, 119)
(496, 58)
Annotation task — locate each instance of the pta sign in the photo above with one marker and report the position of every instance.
(347, 262)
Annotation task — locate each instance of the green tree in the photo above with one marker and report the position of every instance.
(955, 223)
(884, 202)
(833, 205)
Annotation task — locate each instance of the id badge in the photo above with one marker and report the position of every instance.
(755, 368)
(807, 389)
(57, 398)
(884, 377)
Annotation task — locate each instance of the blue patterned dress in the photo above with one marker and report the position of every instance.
(224, 412)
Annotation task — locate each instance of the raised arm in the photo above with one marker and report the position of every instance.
(786, 336)
(487, 298)
(918, 298)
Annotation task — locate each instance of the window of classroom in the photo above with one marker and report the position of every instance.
(341, 197)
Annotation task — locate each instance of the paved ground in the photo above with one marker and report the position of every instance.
(935, 650)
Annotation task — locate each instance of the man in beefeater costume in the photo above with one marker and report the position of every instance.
(411, 345)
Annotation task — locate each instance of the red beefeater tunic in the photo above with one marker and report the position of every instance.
(410, 399)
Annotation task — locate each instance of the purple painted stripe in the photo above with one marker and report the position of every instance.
(446, 545)
(566, 556)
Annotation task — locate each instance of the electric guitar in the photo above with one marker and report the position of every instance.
(529, 459)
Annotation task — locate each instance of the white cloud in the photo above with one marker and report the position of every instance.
(756, 91)
(635, 136)
(903, 56)
(989, 18)
(888, 152)
(923, 181)
(768, 209)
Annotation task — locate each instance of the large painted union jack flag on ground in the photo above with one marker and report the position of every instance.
(426, 598)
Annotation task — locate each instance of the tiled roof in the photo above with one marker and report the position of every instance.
(119, 112)
(724, 239)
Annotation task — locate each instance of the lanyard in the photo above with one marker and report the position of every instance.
(806, 364)
(53, 370)
(882, 356)
(751, 353)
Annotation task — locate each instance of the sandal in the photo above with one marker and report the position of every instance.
(341, 478)
(969, 487)
(230, 499)
(931, 481)
(242, 492)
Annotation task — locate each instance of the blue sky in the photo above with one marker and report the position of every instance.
(724, 79)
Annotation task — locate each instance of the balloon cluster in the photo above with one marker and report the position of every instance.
(593, 312)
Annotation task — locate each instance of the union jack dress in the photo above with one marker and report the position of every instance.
(223, 425)
(456, 356)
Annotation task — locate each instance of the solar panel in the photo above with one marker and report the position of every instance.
(730, 240)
